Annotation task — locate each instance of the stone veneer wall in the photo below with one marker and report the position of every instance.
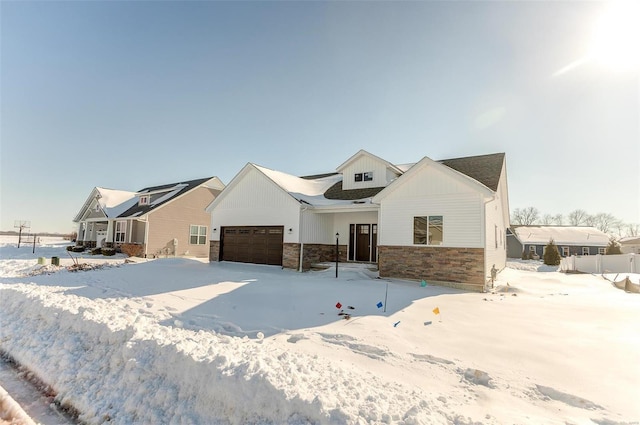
(291, 255)
(455, 267)
(214, 250)
(313, 253)
(317, 253)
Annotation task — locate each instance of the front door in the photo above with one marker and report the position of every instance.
(363, 242)
(101, 236)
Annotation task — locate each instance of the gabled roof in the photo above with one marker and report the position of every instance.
(448, 169)
(630, 240)
(112, 202)
(362, 152)
(484, 168)
(561, 235)
(308, 190)
(171, 191)
(325, 190)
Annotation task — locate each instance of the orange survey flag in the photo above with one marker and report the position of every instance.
(436, 310)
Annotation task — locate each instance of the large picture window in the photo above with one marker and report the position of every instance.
(428, 230)
(198, 235)
(121, 230)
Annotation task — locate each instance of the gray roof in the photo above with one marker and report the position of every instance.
(486, 169)
(138, 210)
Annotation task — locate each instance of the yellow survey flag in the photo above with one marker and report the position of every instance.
(436, 310)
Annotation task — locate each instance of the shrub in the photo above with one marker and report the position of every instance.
(96, 251)
(108, 252)
(132, 249)
(551, 254)
(613, 248)
(70, 248)
(77, 248)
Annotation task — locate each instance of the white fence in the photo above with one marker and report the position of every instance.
(624, 263)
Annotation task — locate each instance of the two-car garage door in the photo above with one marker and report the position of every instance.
(252, 244)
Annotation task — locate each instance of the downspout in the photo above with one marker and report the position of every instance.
(301, 238)
(146, 238)
(484, 242)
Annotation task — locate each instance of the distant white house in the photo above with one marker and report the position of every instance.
(630, 245)
(570, 240)
(442, 221)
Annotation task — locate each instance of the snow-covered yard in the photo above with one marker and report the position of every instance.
(177, 341)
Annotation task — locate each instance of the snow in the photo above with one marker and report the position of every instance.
(181, 341)
(115, 202)
(310, 191)
(561, 235)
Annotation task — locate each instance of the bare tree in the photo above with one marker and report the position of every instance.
(525, 216)
(633, 229)
(605, 222)
(547, 219)
(558, 219)
(577, 217)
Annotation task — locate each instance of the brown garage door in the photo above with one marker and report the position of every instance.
(252, 244)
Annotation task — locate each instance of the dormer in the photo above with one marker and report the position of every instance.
(364, 170)
(143, 200)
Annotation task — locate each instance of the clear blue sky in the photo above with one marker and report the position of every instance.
(132, 94)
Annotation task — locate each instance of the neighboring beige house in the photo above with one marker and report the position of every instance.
(630, 245)
(167, 220)
(442, 221)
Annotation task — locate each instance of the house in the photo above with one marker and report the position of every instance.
(441, 221)
(161, 220)
(630, 245)
(570, 240)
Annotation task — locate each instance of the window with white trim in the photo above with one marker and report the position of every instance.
(428, 230)
(121, 231)
(602, 251)
(585, 250)
(144, 200)
(368, 176)
(565, 251)
(197, 235)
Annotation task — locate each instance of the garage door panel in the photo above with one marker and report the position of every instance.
(253, 244)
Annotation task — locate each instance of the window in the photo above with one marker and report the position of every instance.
(602, 251)
(197, 235)
(585, 250)
(144, 200)
(428, 230)
(367, 177)
(565, 251)
(121, 230)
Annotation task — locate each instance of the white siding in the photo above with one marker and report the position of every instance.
(362, 165)
(461, 220)
(432, 192)
(318, 228)
(497, 217)
(257, 201)
(322, 228)
(343, 221)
